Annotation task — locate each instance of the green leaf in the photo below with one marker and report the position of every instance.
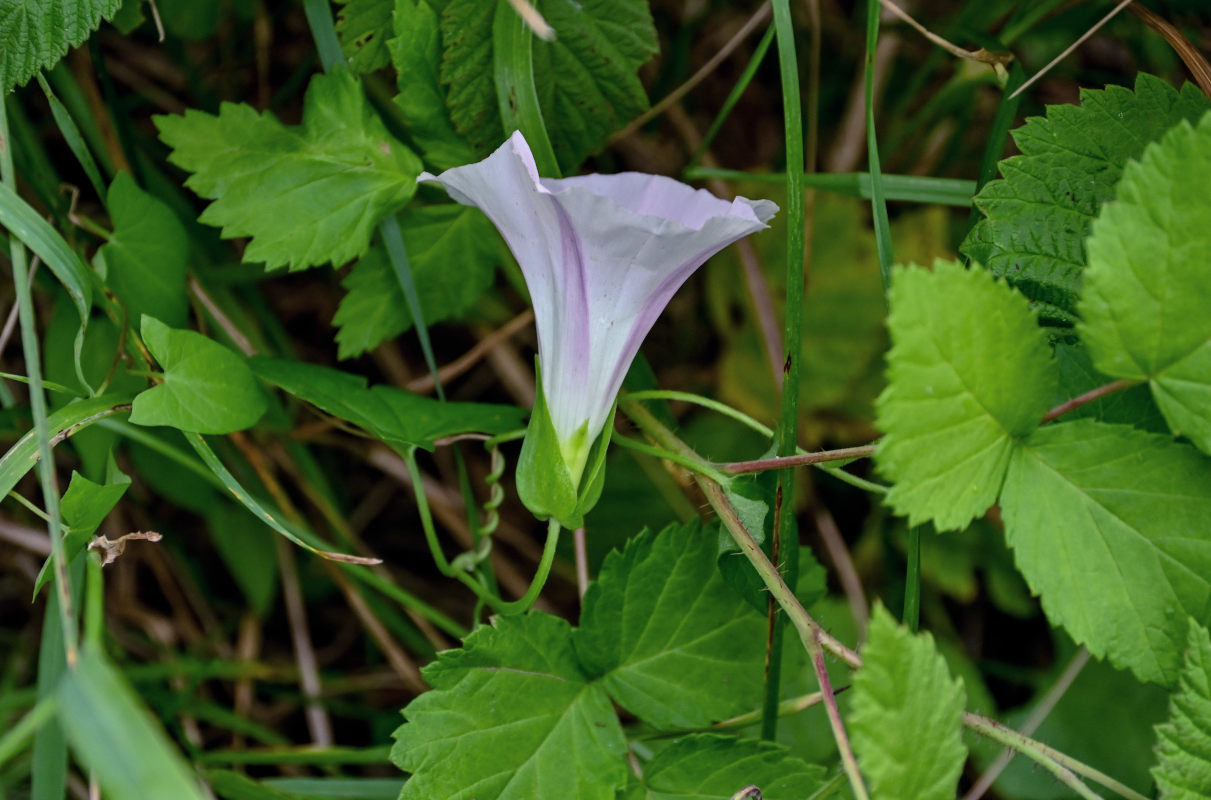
(396, 417)
(669, 639)
(452, 250)
(233, 786)
(969, 373)
(34, 35)
(1146, 294)
(416, 51)
(27, 225)
(363, 27)
(1038, 214)
(1108, 527)
(115, 738)
(207, 388)
(21, 457)
(707, 767)
(907, 714)
(306, 195)
(586, 79)
(1183, 771)
(84, 507)
(351, 788)
(144, 262)
(511, 716)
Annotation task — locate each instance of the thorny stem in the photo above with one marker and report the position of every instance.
(815, 639)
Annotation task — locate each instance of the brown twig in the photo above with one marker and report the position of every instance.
(1190, 55)
(1096, 27)
(782, 462)
(466, 361)
(672, 98)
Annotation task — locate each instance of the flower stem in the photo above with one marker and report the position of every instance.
(498, 604)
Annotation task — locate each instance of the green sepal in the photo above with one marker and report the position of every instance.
(544, 482)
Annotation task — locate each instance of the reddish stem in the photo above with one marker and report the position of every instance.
(1086, 398)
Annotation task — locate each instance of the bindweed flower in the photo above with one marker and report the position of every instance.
(602, 256)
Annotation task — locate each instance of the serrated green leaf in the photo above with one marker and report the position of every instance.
(34, 35)
(907, 715)
(511, 717)
(969, 373)
(586, 79)
(1038, 214)
(452, 250)
(363, 27)
(146, 257)
(1183, 771)
(115, 738)
(1108, 527)
(306, 195)
(416, 52)
(207, 388)
(669, 639)
(1146, 295)
(708, 767)
(393, 415)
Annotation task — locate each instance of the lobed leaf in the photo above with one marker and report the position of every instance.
(670, 640)
(586, 80)
(511, 716)
(306, 195)
(969, 374)
(1108, 527)
(35, 35)
(145, 259)
(906, 722)
(1183, 771)
(452, 251)
(416, 52)
(1146, 295)
(1038, 214)
(363, 27)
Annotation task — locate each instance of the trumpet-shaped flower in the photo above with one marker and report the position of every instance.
(602, 255)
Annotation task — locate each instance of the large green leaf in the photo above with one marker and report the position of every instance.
(146, 257)
(907, 714)
(707, 767)
(672, 642)
(416, 52)
(1146, 293)
(1037, 215)
(115, 738)
(34, 34)
(363, 27)
(1109, 527)
(206, 389)
(586, 79)
(306, 195)
(1183, 771)
(396, 417)
(969, 373)
(511, 717)
(452, 251)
